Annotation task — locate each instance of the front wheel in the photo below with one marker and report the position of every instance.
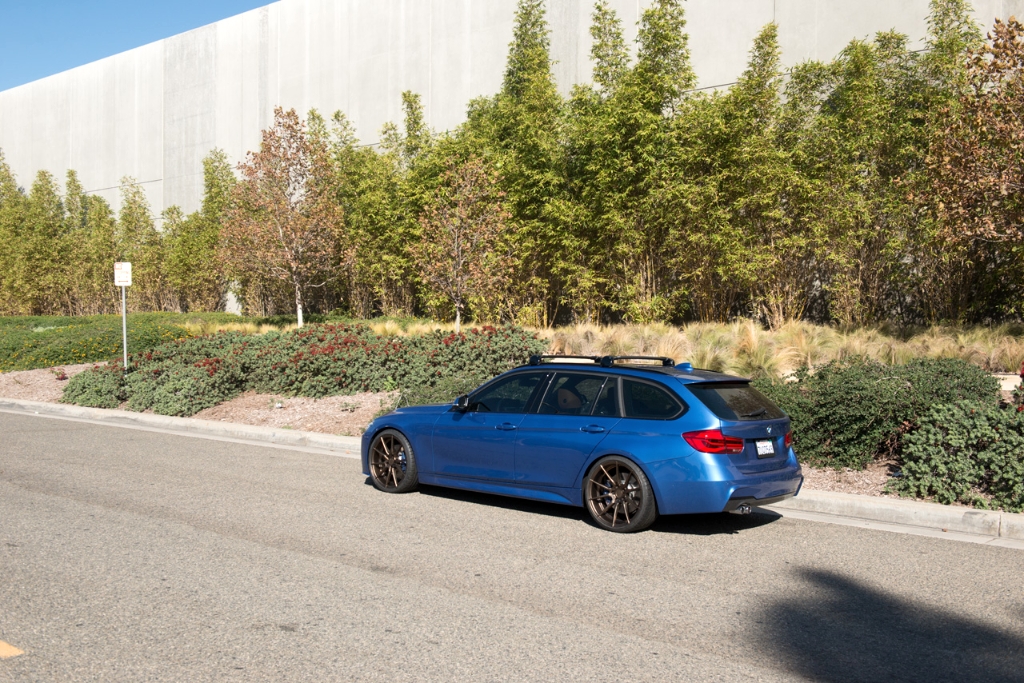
(392, 463)
(618, 495)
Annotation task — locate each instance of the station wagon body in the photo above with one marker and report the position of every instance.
(597, 433)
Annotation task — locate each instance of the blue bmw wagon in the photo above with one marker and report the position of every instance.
(625, 437)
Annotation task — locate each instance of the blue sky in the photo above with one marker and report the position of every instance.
(43, 37)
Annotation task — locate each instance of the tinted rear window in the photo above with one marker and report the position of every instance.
(736, 401)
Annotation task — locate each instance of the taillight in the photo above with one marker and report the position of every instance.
(788, 439)
(713, 441)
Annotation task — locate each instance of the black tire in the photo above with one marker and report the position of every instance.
(618, 495)
(392, 462)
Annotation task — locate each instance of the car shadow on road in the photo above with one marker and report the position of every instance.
(504, 502)
(714, 524)
(843, 630)
(700, 525)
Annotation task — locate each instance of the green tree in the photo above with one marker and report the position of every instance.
(741, 233)
(193, 267)
(42, 267)
(380, 198)
(12, 210)
(99, 252)
(517, 131)
(631, 137)
(140, 243)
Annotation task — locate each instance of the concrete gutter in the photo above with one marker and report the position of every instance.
(875, 512)
(347, 446)
(946, 518)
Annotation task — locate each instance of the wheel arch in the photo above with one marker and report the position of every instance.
(616, 453)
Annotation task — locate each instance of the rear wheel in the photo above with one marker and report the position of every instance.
(618, 495)
(392, 463)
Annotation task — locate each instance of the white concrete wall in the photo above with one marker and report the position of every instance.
(154, 112)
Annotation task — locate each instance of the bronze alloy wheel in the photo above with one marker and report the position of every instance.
(392, 465)
(618, 495)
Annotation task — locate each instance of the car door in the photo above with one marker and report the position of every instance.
(575, 414)
(480, 442)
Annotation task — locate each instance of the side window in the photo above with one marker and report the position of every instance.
(648, 401)
(572, 394)
(511, 395)
(607, 404)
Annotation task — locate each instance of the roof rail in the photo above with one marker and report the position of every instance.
(603, 361)
(608, 361)
(537, 360)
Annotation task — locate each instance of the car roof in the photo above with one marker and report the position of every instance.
(639, 369)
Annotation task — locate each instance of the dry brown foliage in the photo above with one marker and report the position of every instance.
(284, 224)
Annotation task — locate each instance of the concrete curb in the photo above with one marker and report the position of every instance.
(908, 512)
(341, 445)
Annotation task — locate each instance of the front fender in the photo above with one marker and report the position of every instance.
(418, 431)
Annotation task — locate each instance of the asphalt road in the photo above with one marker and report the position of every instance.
(127, 555)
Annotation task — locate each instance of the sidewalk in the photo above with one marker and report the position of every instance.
(959, 523)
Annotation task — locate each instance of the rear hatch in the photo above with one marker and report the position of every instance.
(748, 414)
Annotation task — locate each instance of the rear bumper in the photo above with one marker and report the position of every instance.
(734, 503)
(683, 492)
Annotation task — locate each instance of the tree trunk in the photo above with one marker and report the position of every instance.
(458, 318)
(298, 304)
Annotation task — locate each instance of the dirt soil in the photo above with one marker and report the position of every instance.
(870, 481)
(39, 385)
(345, 415)
(349, 415)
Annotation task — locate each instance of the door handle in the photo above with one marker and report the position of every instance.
(593, 429)
(505, 426)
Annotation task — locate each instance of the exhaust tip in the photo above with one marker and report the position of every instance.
(742, 509)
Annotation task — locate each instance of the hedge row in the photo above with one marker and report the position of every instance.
(850, 412)
(186, 376)
(940, 420)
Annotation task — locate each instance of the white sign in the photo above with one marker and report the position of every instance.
(123, 274)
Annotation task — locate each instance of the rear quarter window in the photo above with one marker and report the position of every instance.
(736, 401)
(650, 402)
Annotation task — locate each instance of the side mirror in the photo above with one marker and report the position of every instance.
(461, 403)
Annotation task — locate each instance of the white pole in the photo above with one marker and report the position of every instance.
(124, 328)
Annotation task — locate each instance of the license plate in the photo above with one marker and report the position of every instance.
(765, 449)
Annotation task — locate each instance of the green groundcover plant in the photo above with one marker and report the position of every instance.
(29, 342)
(849, 412)
(966, 452)
(188, 375)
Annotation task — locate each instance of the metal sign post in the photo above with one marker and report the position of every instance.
(123, 279)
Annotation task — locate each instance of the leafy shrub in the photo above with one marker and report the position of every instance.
(184, 376)
(966, 452)
(847, 413)
(444, 390)
(99, 387)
